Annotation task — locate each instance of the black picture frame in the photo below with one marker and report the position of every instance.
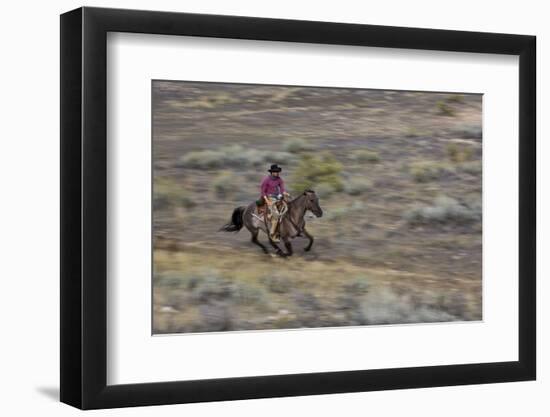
(84, 207)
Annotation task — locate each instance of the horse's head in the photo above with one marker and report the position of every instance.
(312, 203)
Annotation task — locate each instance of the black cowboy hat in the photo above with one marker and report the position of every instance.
(274, 168)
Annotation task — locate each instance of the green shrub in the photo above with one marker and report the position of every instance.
(238, 156)
(412, 132)
(296, 145)
(468, 132)
(281, 158)
(342, 212)
(210, 102)
(365, 155)
(324, 190)
(387, 306)
(277, 283)
(358, 285)
(167, 193)
(170, 280)
(223, 183)
(458, 153)
(444, 109)
(245, 294)
(444, 210)
(338, 213)
(456, 98)
(232, 156)
(426, 171)
(209, 287)
(472, 167)
(206, 159)
(357, 185)
(314, 170)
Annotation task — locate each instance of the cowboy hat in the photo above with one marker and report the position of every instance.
(275, 168)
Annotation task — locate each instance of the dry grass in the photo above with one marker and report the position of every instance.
(253, 292)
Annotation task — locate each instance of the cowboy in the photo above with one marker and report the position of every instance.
(273, 193)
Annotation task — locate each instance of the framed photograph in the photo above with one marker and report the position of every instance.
(258, 208)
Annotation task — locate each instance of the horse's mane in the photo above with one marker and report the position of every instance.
(301, 195)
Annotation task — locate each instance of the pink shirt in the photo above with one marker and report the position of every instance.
(272, 185)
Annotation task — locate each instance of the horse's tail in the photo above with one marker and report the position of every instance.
(236, 223)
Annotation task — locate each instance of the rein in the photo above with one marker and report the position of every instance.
(300, 230)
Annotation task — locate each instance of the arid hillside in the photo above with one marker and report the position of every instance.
(399, 179)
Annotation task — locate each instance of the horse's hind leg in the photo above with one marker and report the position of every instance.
(310, 237)
(257, 242)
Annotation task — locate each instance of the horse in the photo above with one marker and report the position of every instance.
(292, 224)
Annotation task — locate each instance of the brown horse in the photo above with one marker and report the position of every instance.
(292, 224)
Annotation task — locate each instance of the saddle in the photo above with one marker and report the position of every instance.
(272, 215)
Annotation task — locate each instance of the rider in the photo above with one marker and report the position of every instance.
(272, 190)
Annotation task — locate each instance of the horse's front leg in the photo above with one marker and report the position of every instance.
(288, 246)
(276, 247)
(310, 237)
